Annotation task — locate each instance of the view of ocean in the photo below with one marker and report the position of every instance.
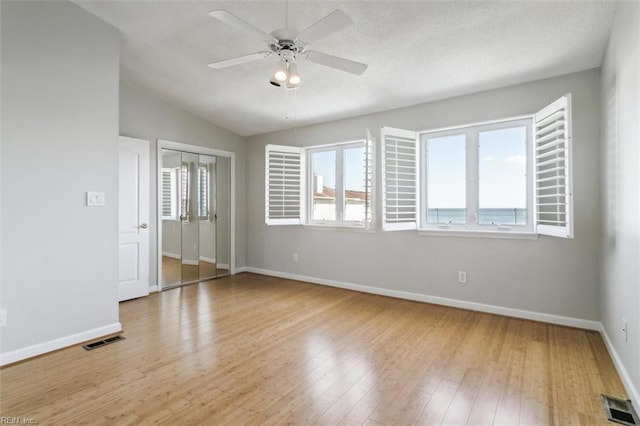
(511, 216)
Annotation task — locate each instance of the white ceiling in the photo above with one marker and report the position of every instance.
(417, 51)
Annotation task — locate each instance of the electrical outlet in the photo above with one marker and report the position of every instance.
(295, 257)
(462, 277)
(3, 317)
(624, 329)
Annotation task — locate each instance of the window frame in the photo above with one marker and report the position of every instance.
(340, 202)
(472, 178)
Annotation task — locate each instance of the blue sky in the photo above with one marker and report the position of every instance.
(324, 163)
(501, 169)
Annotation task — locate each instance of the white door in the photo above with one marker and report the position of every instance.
(134, 218)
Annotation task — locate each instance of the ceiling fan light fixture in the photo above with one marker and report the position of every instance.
(294, 78)
(281, 74)
(275, 82)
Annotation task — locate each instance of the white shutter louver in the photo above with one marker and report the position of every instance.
(167, 211)
(369, 176)
(553, 183)
(284, 188)
(400, 179)
(170, 193)
(185, 191)
(203, 191)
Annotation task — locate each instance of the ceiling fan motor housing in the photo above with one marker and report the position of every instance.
(287, 44)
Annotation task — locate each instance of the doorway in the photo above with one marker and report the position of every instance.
(195, 209)
(133, 218)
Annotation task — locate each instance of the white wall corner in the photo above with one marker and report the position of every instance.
(634, 393)
(62, 342)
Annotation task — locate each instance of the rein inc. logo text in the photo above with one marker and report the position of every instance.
(9, 420)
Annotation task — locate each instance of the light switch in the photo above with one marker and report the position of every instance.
(95, 199)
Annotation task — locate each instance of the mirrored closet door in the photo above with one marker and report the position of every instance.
(195, 217)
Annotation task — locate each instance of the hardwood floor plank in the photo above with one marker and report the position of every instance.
(251, 349)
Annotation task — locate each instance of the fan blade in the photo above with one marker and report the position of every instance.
(234, 21)
(336, 62)
(333, 22)
(240, 60)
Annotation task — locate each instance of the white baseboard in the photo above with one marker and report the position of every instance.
(190, 262)
(223, 266)
(473, 306)
(62, 342)
(207, 259)
(633, 392)
(171, 255)
(240, 269)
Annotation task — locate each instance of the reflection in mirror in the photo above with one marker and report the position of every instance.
(171, 239)
(206, 216)
(189, 217)
(195, 204)
(223, 202)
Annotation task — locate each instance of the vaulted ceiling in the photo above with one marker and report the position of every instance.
(417, 51)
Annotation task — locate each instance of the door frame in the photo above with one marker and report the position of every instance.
(195, 149)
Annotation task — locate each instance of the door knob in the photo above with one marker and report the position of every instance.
(144, 226)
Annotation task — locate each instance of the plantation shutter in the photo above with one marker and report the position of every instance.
(167, 193)
(369, 176)
(400, 179)
(284, 185)
(203, 191)
(185, 191)
(553, 183)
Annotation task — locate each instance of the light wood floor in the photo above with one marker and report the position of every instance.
(174, 272)
(251, 349)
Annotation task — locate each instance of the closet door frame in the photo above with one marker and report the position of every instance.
(195, 149)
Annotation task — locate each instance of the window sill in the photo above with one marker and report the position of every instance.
(509, 235)
(334, 227)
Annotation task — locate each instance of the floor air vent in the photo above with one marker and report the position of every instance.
(101, 343)
(619, 411)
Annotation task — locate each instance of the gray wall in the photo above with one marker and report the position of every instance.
(620, 290)
(147, 117)
(548, 275)
(60, 139)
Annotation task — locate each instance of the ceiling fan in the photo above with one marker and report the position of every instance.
(290, 45)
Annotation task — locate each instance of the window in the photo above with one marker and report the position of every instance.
(338, 177)
(476, 177)
(333, 183)
(502, 175)
(170, 193)
(508, 176)
(446, 176)
(323, 180)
